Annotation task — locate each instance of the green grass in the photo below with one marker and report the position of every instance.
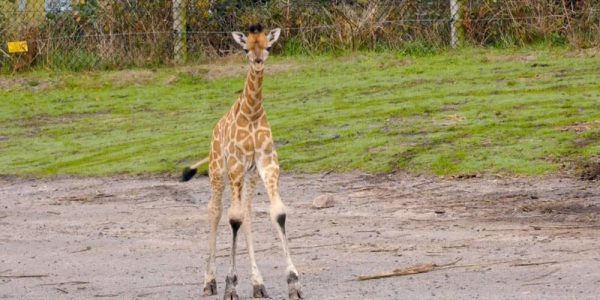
(470, 111)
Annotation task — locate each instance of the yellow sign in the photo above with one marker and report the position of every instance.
(17, 47)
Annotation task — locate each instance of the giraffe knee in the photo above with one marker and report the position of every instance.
(277, 208)
(235, 214)
(235, 226)
(281, 221)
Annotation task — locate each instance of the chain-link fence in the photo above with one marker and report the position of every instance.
(93, 34)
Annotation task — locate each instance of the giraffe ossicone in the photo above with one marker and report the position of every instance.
(242, 151)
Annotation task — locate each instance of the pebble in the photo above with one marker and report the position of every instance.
(323, 201)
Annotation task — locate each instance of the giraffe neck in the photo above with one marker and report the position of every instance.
(251, 100)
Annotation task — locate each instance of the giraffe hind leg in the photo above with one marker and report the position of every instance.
(215, 209)
(294, 287)
(270, 177)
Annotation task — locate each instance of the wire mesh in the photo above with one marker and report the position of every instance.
(95, 34)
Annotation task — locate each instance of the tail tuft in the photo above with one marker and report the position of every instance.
(188, 173)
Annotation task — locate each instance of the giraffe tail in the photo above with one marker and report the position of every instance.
(190, 171)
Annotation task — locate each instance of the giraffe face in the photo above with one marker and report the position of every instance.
(257, 46)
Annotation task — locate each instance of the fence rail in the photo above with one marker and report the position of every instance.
(89, 34)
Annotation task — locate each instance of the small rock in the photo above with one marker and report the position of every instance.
(323, 201)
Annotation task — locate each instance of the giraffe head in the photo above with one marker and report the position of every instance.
(257, 44)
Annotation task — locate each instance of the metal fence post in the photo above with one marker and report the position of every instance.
(454, 23)
(179, 31)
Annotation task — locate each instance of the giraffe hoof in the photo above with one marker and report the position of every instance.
(259, 291)
(210, 288)
(295, 294)
(231, 295)
(230, 292)
(294, 289)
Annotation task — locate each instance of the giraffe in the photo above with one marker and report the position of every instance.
(241, 151)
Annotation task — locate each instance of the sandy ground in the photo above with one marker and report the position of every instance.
(124, 238)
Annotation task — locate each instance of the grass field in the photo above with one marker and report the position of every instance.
(524, 112)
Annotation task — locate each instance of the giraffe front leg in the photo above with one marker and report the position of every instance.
(231, 280)
(236, 218)
(248, 190)
(215, 208)
(270, 177)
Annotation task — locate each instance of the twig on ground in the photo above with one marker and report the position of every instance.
(316, 246)
(146, 201)
(536, 283)
(455, 246)
(585, 250)
(172, 206)
(173, 284)
(400, 272)
(408, 271)
(326, 173)
(107, 295)
(571, 227)
(61, 290)
(302, 236)
(142, 295)
(384, 249)
(373, 231)
(534, 263)
(64, 283)
(422, 183)
(543, 275)
(24, 276)
(82, 250)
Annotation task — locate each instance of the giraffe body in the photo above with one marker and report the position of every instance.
(241, 152)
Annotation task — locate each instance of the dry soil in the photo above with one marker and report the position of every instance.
(124, 238)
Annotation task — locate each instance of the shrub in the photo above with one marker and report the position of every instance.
(116, 34)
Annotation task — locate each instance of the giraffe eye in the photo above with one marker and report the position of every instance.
(268, 49)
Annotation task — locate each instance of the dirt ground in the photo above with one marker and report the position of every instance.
(124, 238)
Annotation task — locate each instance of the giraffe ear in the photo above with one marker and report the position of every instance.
(273, 35)
(239, 38)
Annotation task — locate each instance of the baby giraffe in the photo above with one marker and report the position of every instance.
(242, 150)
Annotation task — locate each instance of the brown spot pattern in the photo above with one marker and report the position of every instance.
(256, 41)
(242, 121)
